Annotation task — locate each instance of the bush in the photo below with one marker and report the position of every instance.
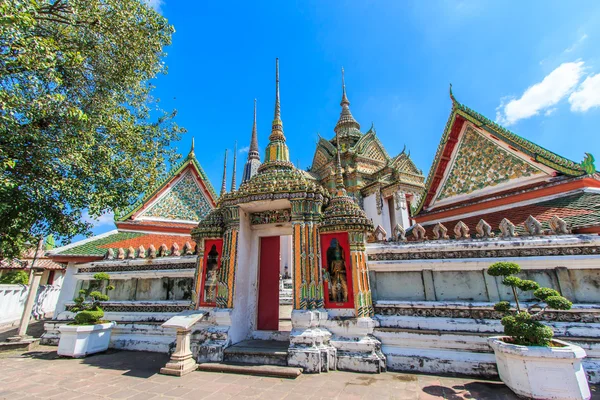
(522, 326)
(89, 317)
(15, 278)
(87, 304)
(503, 268)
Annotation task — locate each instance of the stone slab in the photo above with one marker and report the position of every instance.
(185, 320)
(250, 369)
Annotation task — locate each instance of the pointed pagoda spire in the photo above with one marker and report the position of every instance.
(276, 153)
(233, 184)
(253, 151)
(224, 183)
(346, 125)
(253, 161)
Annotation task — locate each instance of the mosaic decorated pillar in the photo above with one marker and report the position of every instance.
(308, 281)
(231, 220)
(209, 231)
(363, 302)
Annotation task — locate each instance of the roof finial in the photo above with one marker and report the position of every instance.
(253, 151)
(276, 153)
(224, 183)
(344, 97)
(191, 153)
(277, 103)
(346, 125)
(452, 96)
(233, 185)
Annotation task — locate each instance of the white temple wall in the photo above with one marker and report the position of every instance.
(386, 219)
(402, 212)
(370, 204)
(67, 289)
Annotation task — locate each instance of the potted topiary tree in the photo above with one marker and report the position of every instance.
(530, 362)
(88, 333)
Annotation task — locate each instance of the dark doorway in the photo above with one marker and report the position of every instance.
(268, 284)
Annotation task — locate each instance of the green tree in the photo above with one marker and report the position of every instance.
(79, 128)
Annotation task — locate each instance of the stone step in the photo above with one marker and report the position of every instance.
(21, 345)
(252, 369)
(257, 352)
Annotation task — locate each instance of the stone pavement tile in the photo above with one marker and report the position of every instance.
(66, 395)
(250, 393)
(125, 393)
(233, 389)
(157, 388)
(198, 394)
(265, 383)
(218, 396)
(33, 389)
(275, 395)
(48, 393)
(177, 392)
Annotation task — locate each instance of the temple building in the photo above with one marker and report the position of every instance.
(385, 187)
(357, 264)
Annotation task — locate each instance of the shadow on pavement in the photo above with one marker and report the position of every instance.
(473, 390)
(139, 364)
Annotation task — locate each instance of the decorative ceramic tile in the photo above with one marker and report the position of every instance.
(480, 163)
(185, 201)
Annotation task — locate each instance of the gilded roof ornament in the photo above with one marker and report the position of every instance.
(346, 125)
(233, 183)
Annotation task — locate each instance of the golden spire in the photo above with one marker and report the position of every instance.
(224, 183)
(276, 153)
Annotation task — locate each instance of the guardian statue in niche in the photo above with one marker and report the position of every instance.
(210, 283)
(336, 268)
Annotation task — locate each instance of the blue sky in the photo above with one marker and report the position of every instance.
(533, 66)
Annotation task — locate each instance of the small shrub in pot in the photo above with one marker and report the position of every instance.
(87, 304)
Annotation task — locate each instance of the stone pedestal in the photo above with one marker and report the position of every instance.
(309, 343)
(181, 362)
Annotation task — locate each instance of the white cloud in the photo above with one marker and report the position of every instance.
(550, 111)
(156, 4)
(103, 220)
(576, 44)
(587, 94)
(244, 149)
(543, 95)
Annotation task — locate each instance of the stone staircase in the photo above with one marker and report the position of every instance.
(255, 357)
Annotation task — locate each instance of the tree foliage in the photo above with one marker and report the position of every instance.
(79, 128)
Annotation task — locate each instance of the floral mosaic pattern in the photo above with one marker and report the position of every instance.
(185, 201)
(480, 164)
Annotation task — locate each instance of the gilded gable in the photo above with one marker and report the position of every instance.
(481, 163)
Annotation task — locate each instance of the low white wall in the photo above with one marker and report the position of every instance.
(45, 302)
(12, 302)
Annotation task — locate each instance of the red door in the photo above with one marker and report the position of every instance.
(268, 284)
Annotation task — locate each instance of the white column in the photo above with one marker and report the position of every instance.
(29, 303)
(67, 290)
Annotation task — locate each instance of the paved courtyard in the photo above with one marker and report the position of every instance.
(133, 375)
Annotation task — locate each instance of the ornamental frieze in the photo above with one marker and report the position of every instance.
(138, 267)
(519, 252)
(271, 217)
(585, 316)
(147, 308)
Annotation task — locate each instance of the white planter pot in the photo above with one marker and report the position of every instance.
(81, 340)
(542, 372)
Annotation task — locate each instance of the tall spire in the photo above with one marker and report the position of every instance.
(276, 153)
(253, 151)
(253, 162)
(224, 183)
(233, 185)
(346, 125)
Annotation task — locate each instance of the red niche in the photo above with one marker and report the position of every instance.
(337, 270)
(211, 264)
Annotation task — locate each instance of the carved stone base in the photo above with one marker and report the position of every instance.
(309, 344)
(179, 368)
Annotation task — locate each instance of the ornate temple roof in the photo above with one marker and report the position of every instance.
(96, 247)
(484, 155)
(185, 194)
(347, 127)
(581, 212)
